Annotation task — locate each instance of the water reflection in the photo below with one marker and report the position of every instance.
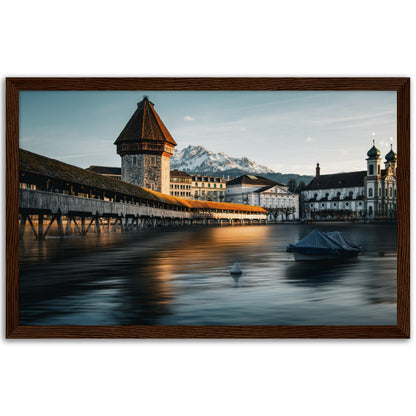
(182, 277)
(316, 274)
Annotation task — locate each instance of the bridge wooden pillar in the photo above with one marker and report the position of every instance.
(60, 225)
(83, 226)
(40, 227)
(97, 224)
(23, 219)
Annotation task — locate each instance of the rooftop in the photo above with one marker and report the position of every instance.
(252, 180)
(104, 170)
(145, 124)
(337, 180)
(51, 168)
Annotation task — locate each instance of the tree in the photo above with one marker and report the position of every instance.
(300, 187)
(291, 184)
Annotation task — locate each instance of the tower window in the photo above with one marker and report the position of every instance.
(153, 161)
(371, 172)
(370, 192)
(378, 169)
(134, 160)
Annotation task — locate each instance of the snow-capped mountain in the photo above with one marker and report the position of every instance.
(195, 159)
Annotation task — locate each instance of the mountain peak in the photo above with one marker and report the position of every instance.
(197, 159)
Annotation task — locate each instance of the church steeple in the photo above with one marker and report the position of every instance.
(373, 161)
(145, 146)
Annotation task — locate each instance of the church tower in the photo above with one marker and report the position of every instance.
(373, 182)
(391, 160)
(145, 146)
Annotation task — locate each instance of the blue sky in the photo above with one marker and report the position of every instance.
(288, 131)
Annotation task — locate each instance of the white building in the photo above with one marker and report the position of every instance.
(281, 204)
(180, 184)
(369, 194)
(208, 188)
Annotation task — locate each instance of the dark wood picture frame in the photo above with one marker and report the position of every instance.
(15, 85)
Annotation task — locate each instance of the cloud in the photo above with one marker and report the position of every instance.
(188, 118)
(309, 139)
(243, 129)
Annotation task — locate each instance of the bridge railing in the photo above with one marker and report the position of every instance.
(30, 199)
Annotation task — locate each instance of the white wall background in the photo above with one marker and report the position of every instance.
(216, 38)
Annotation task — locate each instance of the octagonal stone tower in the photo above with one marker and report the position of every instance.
(145, 146)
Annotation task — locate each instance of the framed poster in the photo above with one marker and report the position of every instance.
(208, 207)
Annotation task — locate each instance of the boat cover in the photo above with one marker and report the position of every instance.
(318, 242)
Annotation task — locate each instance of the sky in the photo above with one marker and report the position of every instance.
(288, 131)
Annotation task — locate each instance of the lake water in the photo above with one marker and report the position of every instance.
(181, 277)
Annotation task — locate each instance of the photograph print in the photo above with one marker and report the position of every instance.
(207, 208)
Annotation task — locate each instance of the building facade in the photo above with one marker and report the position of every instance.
(281, 205)
(208, 188)
(180, 184)
(145, 146)
(367, 194)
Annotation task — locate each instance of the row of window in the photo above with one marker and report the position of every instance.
(196, 184)
(388, 191)
(180, 186)
(207, 179)
(209, 193)
(179, 193)
(183, 180)
(339, 195)
(347, 204)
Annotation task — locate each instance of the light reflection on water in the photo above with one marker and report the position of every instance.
(181, 277)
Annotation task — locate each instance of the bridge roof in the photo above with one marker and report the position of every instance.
(145, 124)
(54, 169)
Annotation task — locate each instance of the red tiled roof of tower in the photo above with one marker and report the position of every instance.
(145, 124)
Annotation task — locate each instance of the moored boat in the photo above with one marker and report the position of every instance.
(318, 245)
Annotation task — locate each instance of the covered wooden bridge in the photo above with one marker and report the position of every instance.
(64, 198)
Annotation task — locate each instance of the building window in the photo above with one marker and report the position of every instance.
(347, 204)
(371, 170)
(335, 204)
(390, 192)
(134, 160)
(153, 161)
(370, 192)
